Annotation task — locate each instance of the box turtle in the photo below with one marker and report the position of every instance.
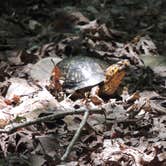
(79, 72)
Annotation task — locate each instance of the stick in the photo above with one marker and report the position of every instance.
(60, 113)
(77, 134)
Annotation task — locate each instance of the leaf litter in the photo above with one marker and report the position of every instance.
(126, 128)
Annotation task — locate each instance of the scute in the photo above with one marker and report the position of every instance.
(81, 71)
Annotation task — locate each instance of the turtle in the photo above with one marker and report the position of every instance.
(84, 72)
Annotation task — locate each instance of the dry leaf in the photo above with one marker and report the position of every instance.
(41, 71)
(94, 96)
(135, 96)
(2, 103)
(55, 79)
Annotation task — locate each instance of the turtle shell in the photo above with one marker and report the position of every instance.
(81, 71)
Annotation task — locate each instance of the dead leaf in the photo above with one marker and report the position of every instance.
(114, 152)
(135, 96)
(94, 96)
(55, 79)
(27, 57)
(14, 101)
(3, 123)
(41, 71)
(162, 156)
(19, 87)
(48, 145)
(3, 104)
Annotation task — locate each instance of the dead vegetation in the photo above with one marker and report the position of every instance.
(42, 124)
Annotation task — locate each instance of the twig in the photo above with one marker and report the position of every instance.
(57, 114)
(77, 134)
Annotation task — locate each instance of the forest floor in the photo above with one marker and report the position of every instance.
(43, 125)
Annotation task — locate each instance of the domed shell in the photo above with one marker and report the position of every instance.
(81, 71)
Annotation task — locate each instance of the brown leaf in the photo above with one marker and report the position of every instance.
(55, 79)
(3, 123)
(94, 96)
(135, 96)
(96, 100)
(15, 100)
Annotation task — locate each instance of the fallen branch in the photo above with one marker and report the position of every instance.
(77, 134)
(57, 114)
